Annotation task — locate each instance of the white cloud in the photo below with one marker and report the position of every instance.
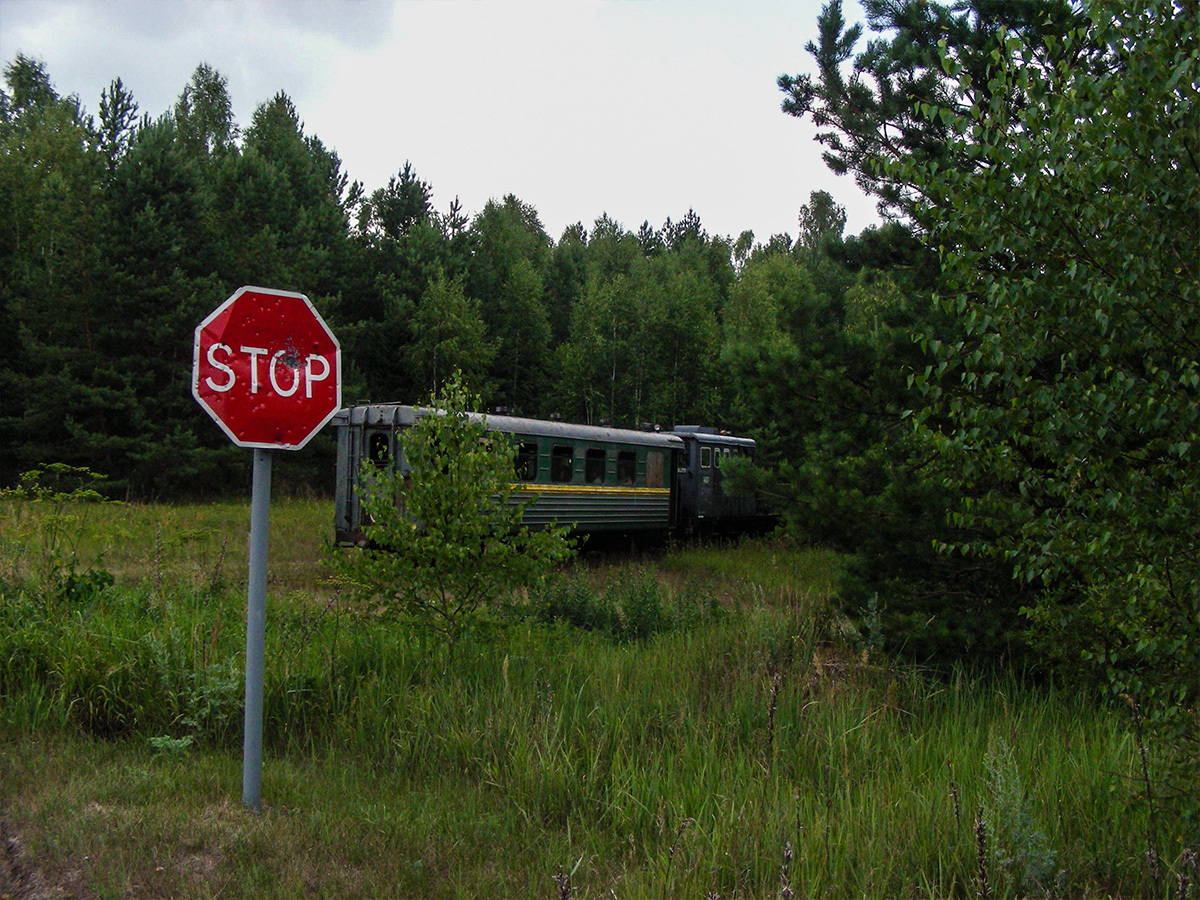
(635, 108)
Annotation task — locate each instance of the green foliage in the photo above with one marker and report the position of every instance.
(821, 220)
(448, 334)
(632, 608)
(506, 272)
(141, 637)
(1048, 152)
(119, 234)
(204, 114)
(1067, 414)
(64, 492)
(450, 545)
(623, 362)
(822, 376)
(1022, 849)
(871, 103)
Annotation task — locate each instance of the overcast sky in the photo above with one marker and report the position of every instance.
(638, 108)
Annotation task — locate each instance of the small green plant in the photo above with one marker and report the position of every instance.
(636, 607)
(1024, 848)
(62, 494)
(570, 598)
(643, 611)
(170, 746)
(448, 533)
(873, 621)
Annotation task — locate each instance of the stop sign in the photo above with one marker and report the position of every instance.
(267, 368)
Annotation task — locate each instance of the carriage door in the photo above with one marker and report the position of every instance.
(704, 480)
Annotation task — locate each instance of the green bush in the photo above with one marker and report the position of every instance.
(632, 608)
(450, 544)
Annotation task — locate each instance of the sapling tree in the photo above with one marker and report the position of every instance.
(448, 542)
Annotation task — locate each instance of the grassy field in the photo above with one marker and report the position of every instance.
(737, 743)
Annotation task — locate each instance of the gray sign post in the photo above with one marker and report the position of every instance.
(256, 630)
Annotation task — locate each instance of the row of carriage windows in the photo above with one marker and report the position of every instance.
(596, 468)
(595, 462)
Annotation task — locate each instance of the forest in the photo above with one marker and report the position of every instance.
(992, 401)
(121, 233)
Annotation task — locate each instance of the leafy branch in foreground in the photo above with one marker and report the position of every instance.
(447, 537)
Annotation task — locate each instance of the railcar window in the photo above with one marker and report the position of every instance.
(378, 449)
(562, 463)
(706, 457)
(594, 461)
(527, 460)
(654, 469)
(626, 467)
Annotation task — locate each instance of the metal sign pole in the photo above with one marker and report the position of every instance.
(256, 627)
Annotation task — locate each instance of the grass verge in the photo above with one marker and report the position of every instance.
(754, 752)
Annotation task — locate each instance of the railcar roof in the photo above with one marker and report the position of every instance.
(401, 414)
(715, 438)
(541, 428)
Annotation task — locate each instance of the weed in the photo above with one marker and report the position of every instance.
(954, 801)
(785, 881)
(563, 880)
(981, 857)
(171, 746)
(773, 707)
(640, 601)
(636, 607)
(873, 620)
(1187, 871)
(1024, 849)
(62, 495)
(570, 598)
(1152, 860)
(672, 851)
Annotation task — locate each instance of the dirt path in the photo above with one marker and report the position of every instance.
(22, 879)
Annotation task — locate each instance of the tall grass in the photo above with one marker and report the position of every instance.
(667, 761)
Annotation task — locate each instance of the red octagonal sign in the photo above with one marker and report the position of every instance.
(267, 368)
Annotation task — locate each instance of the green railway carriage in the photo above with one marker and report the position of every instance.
(601, 480)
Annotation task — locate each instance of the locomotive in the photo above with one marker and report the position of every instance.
(601, 481)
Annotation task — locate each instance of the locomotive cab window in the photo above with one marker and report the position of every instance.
(379, 449)
(594, 462)
(706, 457)
(562, 463)
(626, 467)
(527, 461)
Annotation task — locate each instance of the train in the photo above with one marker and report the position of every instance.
(603, 482)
